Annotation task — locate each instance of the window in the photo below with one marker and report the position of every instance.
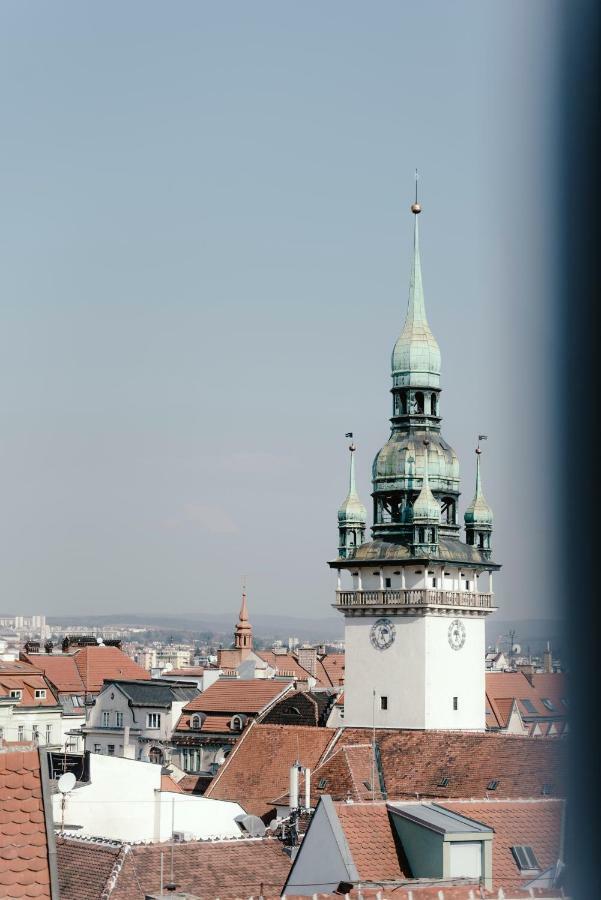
(155, 755)
(191, 759)
(106, 719)
(48, 734)
(15, 695)
(35, 732)
(110, 749)
(383, 702)
(97, 748)
(195, 722)
(444, 782)
(119, 719)
(492, 785)
(467, 584)
(528, 706)
(40, 694)
(153, 720)
(434, 581)
(547, 789)
(388, 582)
(322, 783)
(546, 702)
(525, 858)
(1, 734)
(20, 733)
(455, 702)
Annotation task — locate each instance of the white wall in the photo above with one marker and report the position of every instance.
(123, 801)
(419, 674)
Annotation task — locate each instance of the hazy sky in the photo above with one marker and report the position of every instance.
(204, 261)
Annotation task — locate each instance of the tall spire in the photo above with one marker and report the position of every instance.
(426, 507)
(416, 355)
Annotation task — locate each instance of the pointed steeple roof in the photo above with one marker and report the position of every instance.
(352, 511)
(426, 507)
(244, 630)
(478, 512)
(416, 355)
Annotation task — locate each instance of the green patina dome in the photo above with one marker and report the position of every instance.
(400, 464)
(416, 355)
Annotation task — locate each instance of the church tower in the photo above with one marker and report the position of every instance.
(243, 634)
(415, 597)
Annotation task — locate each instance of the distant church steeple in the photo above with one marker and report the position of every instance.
(243, 635)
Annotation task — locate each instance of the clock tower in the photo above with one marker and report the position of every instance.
(415, 597)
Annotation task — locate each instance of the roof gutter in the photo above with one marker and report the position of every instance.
(49, 823)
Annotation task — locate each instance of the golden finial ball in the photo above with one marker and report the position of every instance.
(415, 208)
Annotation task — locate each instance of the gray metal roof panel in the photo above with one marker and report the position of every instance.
(437, 818)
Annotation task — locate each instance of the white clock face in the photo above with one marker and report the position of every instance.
(457, 634)
(382, 634)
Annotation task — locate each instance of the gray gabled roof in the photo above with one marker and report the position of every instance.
(155, 692)
(438, 819)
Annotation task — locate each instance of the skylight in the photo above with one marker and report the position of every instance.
(528, 705)
(546, 702)
(444, 782)
(525, 858)
(492, 785)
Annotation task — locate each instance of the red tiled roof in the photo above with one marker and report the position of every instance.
(193, 784)
(95, 664)
(368, 833)
(84, 670)
(84, 868)
(186, 671)
(503, 687)
(414, 762)
(329, 669)
(333, 664)
(347, 774)
(212, 723)
(534, 823)
(238, 696)
(27, 679)
(168, 784)
(225, 869)
(258, 768)
(60, 668)
(24, 867)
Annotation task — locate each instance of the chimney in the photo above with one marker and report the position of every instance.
(307, 658)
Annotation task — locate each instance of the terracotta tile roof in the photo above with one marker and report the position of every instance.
(193, 784)
(168, 784)
(258, 768)
(346, 775)
(60, 668)
(333, 664)
(238, 696)
(95, 664)
(368, 833)
(534, 823)
(84, 670)
(23, 677)
(226, 869)
(24, 867)
(212, 724)
(504, 687)
(85, 868)
(414, 762)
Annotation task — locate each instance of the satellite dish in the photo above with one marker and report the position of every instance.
(253, 825)
(99, 641)
(66, 782)
(274, 825)
(516, 648)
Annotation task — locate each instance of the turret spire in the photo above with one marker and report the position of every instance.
(352, 515)
(478, 516)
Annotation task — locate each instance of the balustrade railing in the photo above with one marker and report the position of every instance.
(415, 597)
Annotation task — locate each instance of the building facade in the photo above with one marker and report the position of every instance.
(415, 597)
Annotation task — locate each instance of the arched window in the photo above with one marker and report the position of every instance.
(421, 535)
(433, 405)
(195, 722)
(419, 402)
(403, 398)
(448, 511)
(155, 755)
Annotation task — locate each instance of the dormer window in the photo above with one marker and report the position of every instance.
(238, 722)
(16, 694)
(40, 694)
(196, 722)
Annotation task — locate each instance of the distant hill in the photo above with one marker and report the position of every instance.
(264, 625)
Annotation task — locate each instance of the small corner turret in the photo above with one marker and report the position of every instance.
(478, 516)
(352, 515)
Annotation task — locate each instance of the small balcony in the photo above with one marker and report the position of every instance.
(414, 597)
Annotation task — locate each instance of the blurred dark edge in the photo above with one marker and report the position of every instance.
(578, 409)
